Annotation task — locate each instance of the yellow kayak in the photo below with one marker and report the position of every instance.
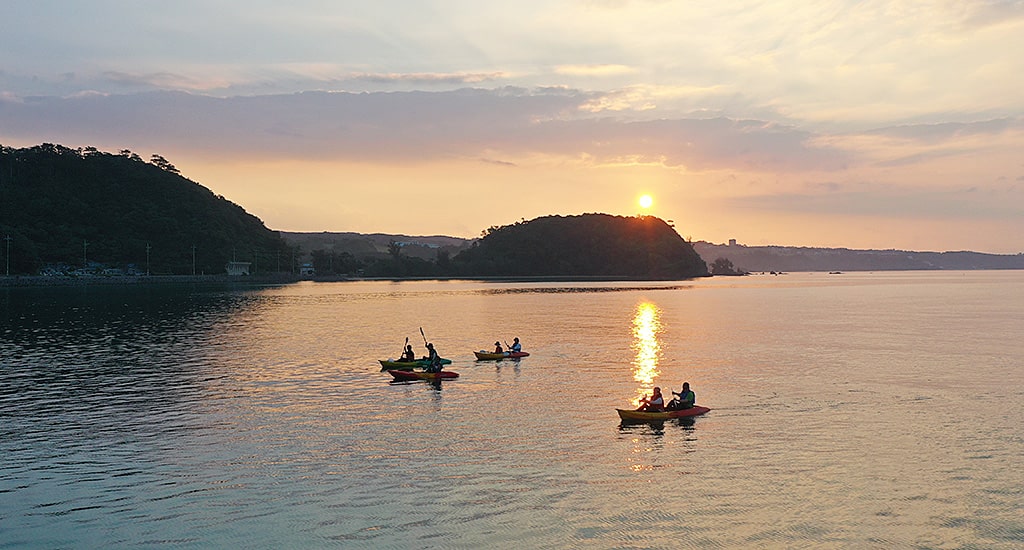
(644, 416)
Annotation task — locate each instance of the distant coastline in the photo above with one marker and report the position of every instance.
(231, 281)
(28, 281)
(793, 258)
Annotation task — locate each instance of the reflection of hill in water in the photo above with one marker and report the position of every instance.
(123, 361)
(577, 289)
(110, 352)
(123, 316)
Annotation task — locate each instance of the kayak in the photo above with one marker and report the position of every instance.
(484, 356)
(422, 375)
(644, 416)
(408, 365)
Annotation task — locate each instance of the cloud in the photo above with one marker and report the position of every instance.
(428, 78)
(932, 133)
(416, 126)
(880, 200)
(164, 80)
(993, 12)
(498, 162)
(970, 151)
(594, 70)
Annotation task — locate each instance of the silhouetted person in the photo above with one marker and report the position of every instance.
(433, 359)
(684, 399)
(654, 403)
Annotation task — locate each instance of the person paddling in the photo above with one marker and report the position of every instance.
(433, 359)
(684, 399)
(654, 403)
(408, 355)
(516, 347)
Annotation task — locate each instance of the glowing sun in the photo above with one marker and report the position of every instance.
(646, 201)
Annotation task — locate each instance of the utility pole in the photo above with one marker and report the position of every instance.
(193, 260)
(85, 254)
(147, 259)
(8, 255)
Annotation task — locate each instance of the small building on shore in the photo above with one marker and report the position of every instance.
(238, 268)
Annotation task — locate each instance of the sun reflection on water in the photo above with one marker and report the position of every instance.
(646, 328)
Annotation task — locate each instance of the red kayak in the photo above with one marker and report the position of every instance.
(644, 416)
(422, 375)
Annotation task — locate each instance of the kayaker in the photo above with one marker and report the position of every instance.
(684, 400)
(516, 347)
(654, 403)
(433, 359)
(409, 355)
(498, 348)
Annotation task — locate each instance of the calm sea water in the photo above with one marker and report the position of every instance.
(862, 410)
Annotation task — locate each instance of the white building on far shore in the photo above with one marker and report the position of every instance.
(238, 268)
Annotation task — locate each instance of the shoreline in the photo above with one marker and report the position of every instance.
(23, 281)
(30, 281)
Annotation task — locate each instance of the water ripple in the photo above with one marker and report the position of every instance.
(259, 417)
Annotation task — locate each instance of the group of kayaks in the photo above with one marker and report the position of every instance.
(414, 370)
(407, 370)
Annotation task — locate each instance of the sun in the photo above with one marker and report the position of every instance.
(646, 201)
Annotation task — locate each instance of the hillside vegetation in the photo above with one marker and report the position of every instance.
(588, 245)
(86, 209)
(83, 211)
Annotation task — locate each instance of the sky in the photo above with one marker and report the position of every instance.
(834, 123)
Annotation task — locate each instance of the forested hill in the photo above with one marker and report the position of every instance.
(588, 245)
(82, 208)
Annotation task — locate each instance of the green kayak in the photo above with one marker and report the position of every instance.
(387, 364)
